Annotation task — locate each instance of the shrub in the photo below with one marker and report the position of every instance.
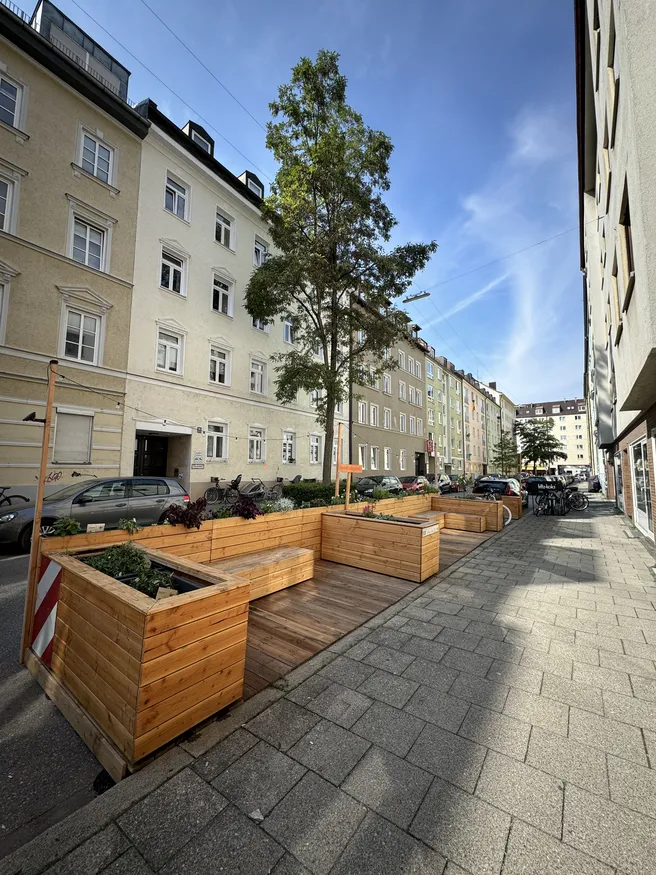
(337, 499)
(307, 491)
(245, 507)
(283, 505)
(129, 526)
(149, 581)
(66, 525)
(190, 516)
(379, 494)
(268, 507)
(221, 513)
(120, 560)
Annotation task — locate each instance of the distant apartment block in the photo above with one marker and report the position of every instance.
(570, 427)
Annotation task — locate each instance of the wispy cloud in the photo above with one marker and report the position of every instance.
(467, 302)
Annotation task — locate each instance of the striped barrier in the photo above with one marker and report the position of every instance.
(45, 613)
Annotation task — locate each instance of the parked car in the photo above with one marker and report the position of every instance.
(414, 484)
(455, 486)
(146, 499)
(501, 486)
(366, 485)
(443, 483)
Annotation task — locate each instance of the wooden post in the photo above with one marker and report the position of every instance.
(30, 598)
(339, 457)
(348, 491)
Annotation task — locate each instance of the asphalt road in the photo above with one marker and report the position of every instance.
(46, 770)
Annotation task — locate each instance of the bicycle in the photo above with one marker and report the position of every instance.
(507, 513)
(576, 500)
(552, 503)
(259, 492)
(7, 499)
(227, 494)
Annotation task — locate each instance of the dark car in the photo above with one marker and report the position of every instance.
(414, 484)
(366, 485)
(145, 499)
(456, 485)
(500, 486)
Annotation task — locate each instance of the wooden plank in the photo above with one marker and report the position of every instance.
(105, 752)
(167, 642)
(192, 654)
(466, 522)
(111, 628)
(167, 614)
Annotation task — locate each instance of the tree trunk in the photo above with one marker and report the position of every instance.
(328, 442)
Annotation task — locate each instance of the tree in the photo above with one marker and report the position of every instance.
(538, 443)
(505, 454)
(330, 278)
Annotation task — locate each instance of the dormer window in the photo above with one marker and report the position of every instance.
(254, 187)
(205, 145)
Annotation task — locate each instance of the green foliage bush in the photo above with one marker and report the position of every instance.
(124, 559)
(221, 513)
(66, 525)
(307, 491)
(129, 526)
(381, 494)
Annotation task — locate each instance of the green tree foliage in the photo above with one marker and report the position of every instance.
(538, 443)
(331, 276)
(505, 456)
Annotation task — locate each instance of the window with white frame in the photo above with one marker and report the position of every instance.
(258, 377)
(411, 394)
(10, 100)
(176, 198)
(260, 324)
(362, 412)
(339, 408)
(289, 333)
(457, 388)
(361, 336)
(430, 373)
(82, 336)
(419, 398)
(362, 455)
(431, 416)
(418, 370)
(171, 275)
(260, 252)
(315, 396)
(220, 361)
(373, 414)
(440, 397)
(413, 425)
(223, 230)
(459, 427)
(578, 427)
(288, 447)
(375, 379)
(4, 295)
(450, 380)
(411, 365)
(223, 296)
(6, 198)
(169, 352)
(401, 359)
(582, 408)
(315, 449)
(387, 458)
(375, 458)
(430, 393)
(217, 440)
(73, 432)
(458, 407)
(440, 375)
(450, 402)
(402, 459)
(576, 416)
(254, 187)
(205, 145)
(420, 427)
(402, 422)
(387, 417)
(88, 244)
(256, 444)
(401, 390)
(96, 158)
(387, 384)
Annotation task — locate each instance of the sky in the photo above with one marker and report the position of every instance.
(478, 99)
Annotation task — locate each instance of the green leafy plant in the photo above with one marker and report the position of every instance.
(245, 507)
(538, 443)
(268, 507)
(379, 494)
(221, 513)
(191, 515)
(66, 525)
(149, 581)
(307, 491)
(337, 499)
(283, 505)
(120, 560)
(368, 511)
(129, 526)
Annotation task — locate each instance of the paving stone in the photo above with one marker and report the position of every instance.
(390, 660)
(339, 704)
(288, 865)
(600, 642)
(448, 756)
(463, 640)
(444, 606)
(130, 863)
(636, 648)
(577, 652)
(388, 638)
(486, 630)
(259, 779)
(315, 822)
(379, 848)
(499, 650)
(417, 613)
(452, 869)
(283, 723)
(628, 709)
(631, 664)
(391, 786)
(431, 650)
(610, 832)
(348, 672)
(388, 688)
(224, 754)
(572, 693)
(361, 649)
(308, 690)
(529, 679)
(609, 735)
(531, 852)
(94, 855)
(463, 828)
(422, 629)
(438, 708)
(480, 690)
(522, 791)
(602, 678)
(438, 676)
(569, 760)
(330, 750)
(396, 622)
(494, 730)
(463, 660)
(389, 728)
(558, 665)
(233, 843)
(643, 688)
(632, 785)
(525, 639)
(449, 621)
(537, 710)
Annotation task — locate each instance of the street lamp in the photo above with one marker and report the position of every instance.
(416, 297)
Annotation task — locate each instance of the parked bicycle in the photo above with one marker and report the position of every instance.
(492, 496)
(227, 494)
(258, 491)
(7, 499)
(559, 502)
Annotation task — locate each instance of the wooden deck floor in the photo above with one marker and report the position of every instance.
(288, 627)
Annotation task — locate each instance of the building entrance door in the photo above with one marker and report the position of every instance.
(420, 464)
(619, 485)
(150, 454)
(642, 508)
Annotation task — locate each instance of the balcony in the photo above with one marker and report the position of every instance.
(85, 65)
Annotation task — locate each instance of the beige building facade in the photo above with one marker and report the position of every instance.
(70, 154)
(570, 427)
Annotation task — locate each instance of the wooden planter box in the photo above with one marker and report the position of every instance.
(398, 548)
(491, 510)
(143, 670)
(514, 502)
(465, 522)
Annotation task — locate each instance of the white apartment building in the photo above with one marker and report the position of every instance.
(200, 398)
(570, 426)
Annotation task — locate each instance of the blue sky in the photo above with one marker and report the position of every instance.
(478, 98)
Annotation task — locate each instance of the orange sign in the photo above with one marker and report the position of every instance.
(353, 469)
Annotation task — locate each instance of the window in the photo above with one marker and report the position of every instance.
(582, 408)
(578, 427)
(402, 459)
(260, 324)
(289, 334)
(219, 365)
(315, 449)
(413, 425)
(223, 230)
(539, 411)
(258, 377)
(401, 359)
(88, 244)
(387, 384)
(420, 427)
(375, 380)
(459, 429)
(431, 416)
(375, 454)
(4, 296)
(387, 458)
(402, 422)
(457, 388)
(217, 440)
(223, 296)
(169, 352)
(450, 381)
(315, 396)
(10, 96)
(579, 446)
(411, 394)
(96, 158)
(440, 375)
(361, 336)
(82, 337)
(451, 402)
(401, 390)
(362, 412)
(148, 488)
(419, 398)
(176, 198)
(205, 145)
(288, 447)
(580, 456)
(387, 418)
(373, 414)
(563, 428)
(577, 416)
(362, 455)
(626, 238)
(429, 370)
(73, 438)
(418, 370)
(555, 409)
(171, 273)
(6, 196)
(411, 365)
(430, 393)
(254, 187)
(561, 419)
(260, 253)
(256, 444)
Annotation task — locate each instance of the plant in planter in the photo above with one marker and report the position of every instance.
(66, 525)
(283, 505)
(381, 494)
(190, 516)
(129, 526)
(245, 507)
(221, 513)
(130, 565)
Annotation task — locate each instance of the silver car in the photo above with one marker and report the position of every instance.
(107, 501)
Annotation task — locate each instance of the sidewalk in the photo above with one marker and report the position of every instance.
(502, 717)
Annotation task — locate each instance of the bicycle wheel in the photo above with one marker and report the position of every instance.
(212, 495)
(507, 515)
(9, 498)
(231, 495)
(580, 501)
(541, 504)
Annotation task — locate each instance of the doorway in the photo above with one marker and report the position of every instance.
(619, 485)
(642, 509)
(420, 464)
(150, 455)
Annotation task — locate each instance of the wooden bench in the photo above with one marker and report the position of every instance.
(268, 571)
(465, 522)
(435, 516)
